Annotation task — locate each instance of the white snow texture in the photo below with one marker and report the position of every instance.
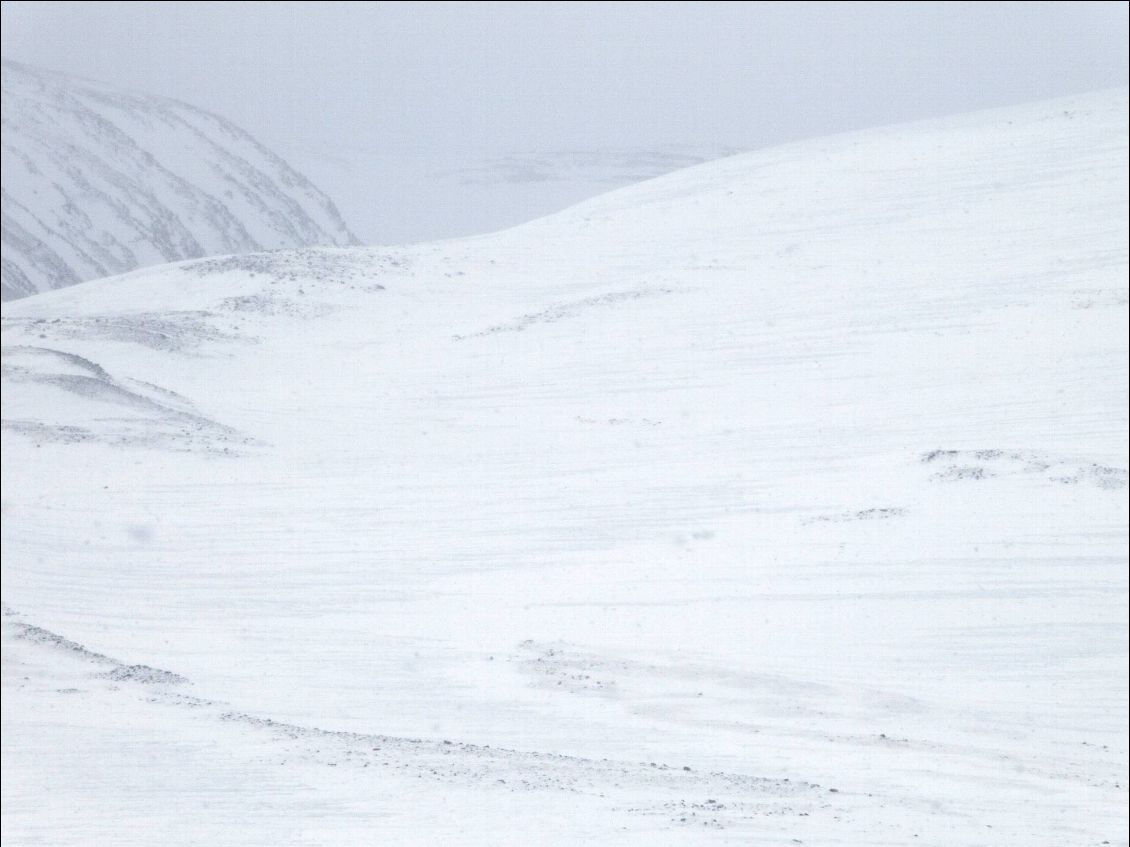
(781, 499)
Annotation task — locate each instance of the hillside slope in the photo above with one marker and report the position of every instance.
(99, 181)
(780, 499)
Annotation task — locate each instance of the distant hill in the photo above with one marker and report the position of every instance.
(98, 181)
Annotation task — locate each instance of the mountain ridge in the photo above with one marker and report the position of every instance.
(85, 196)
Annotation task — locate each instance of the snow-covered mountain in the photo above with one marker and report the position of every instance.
(97, 181)
(780, 499)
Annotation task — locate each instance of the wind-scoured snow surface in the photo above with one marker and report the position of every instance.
(99, 181)
(778, 500)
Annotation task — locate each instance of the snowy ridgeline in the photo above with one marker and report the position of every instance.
(780, 499)
(98, 181)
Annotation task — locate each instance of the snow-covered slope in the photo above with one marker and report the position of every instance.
(98, 181)
(781, 499)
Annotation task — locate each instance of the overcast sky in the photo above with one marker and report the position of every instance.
(450, 85)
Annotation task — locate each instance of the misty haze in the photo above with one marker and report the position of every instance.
(564, 423)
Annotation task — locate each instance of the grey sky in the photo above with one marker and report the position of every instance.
(446, 86)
